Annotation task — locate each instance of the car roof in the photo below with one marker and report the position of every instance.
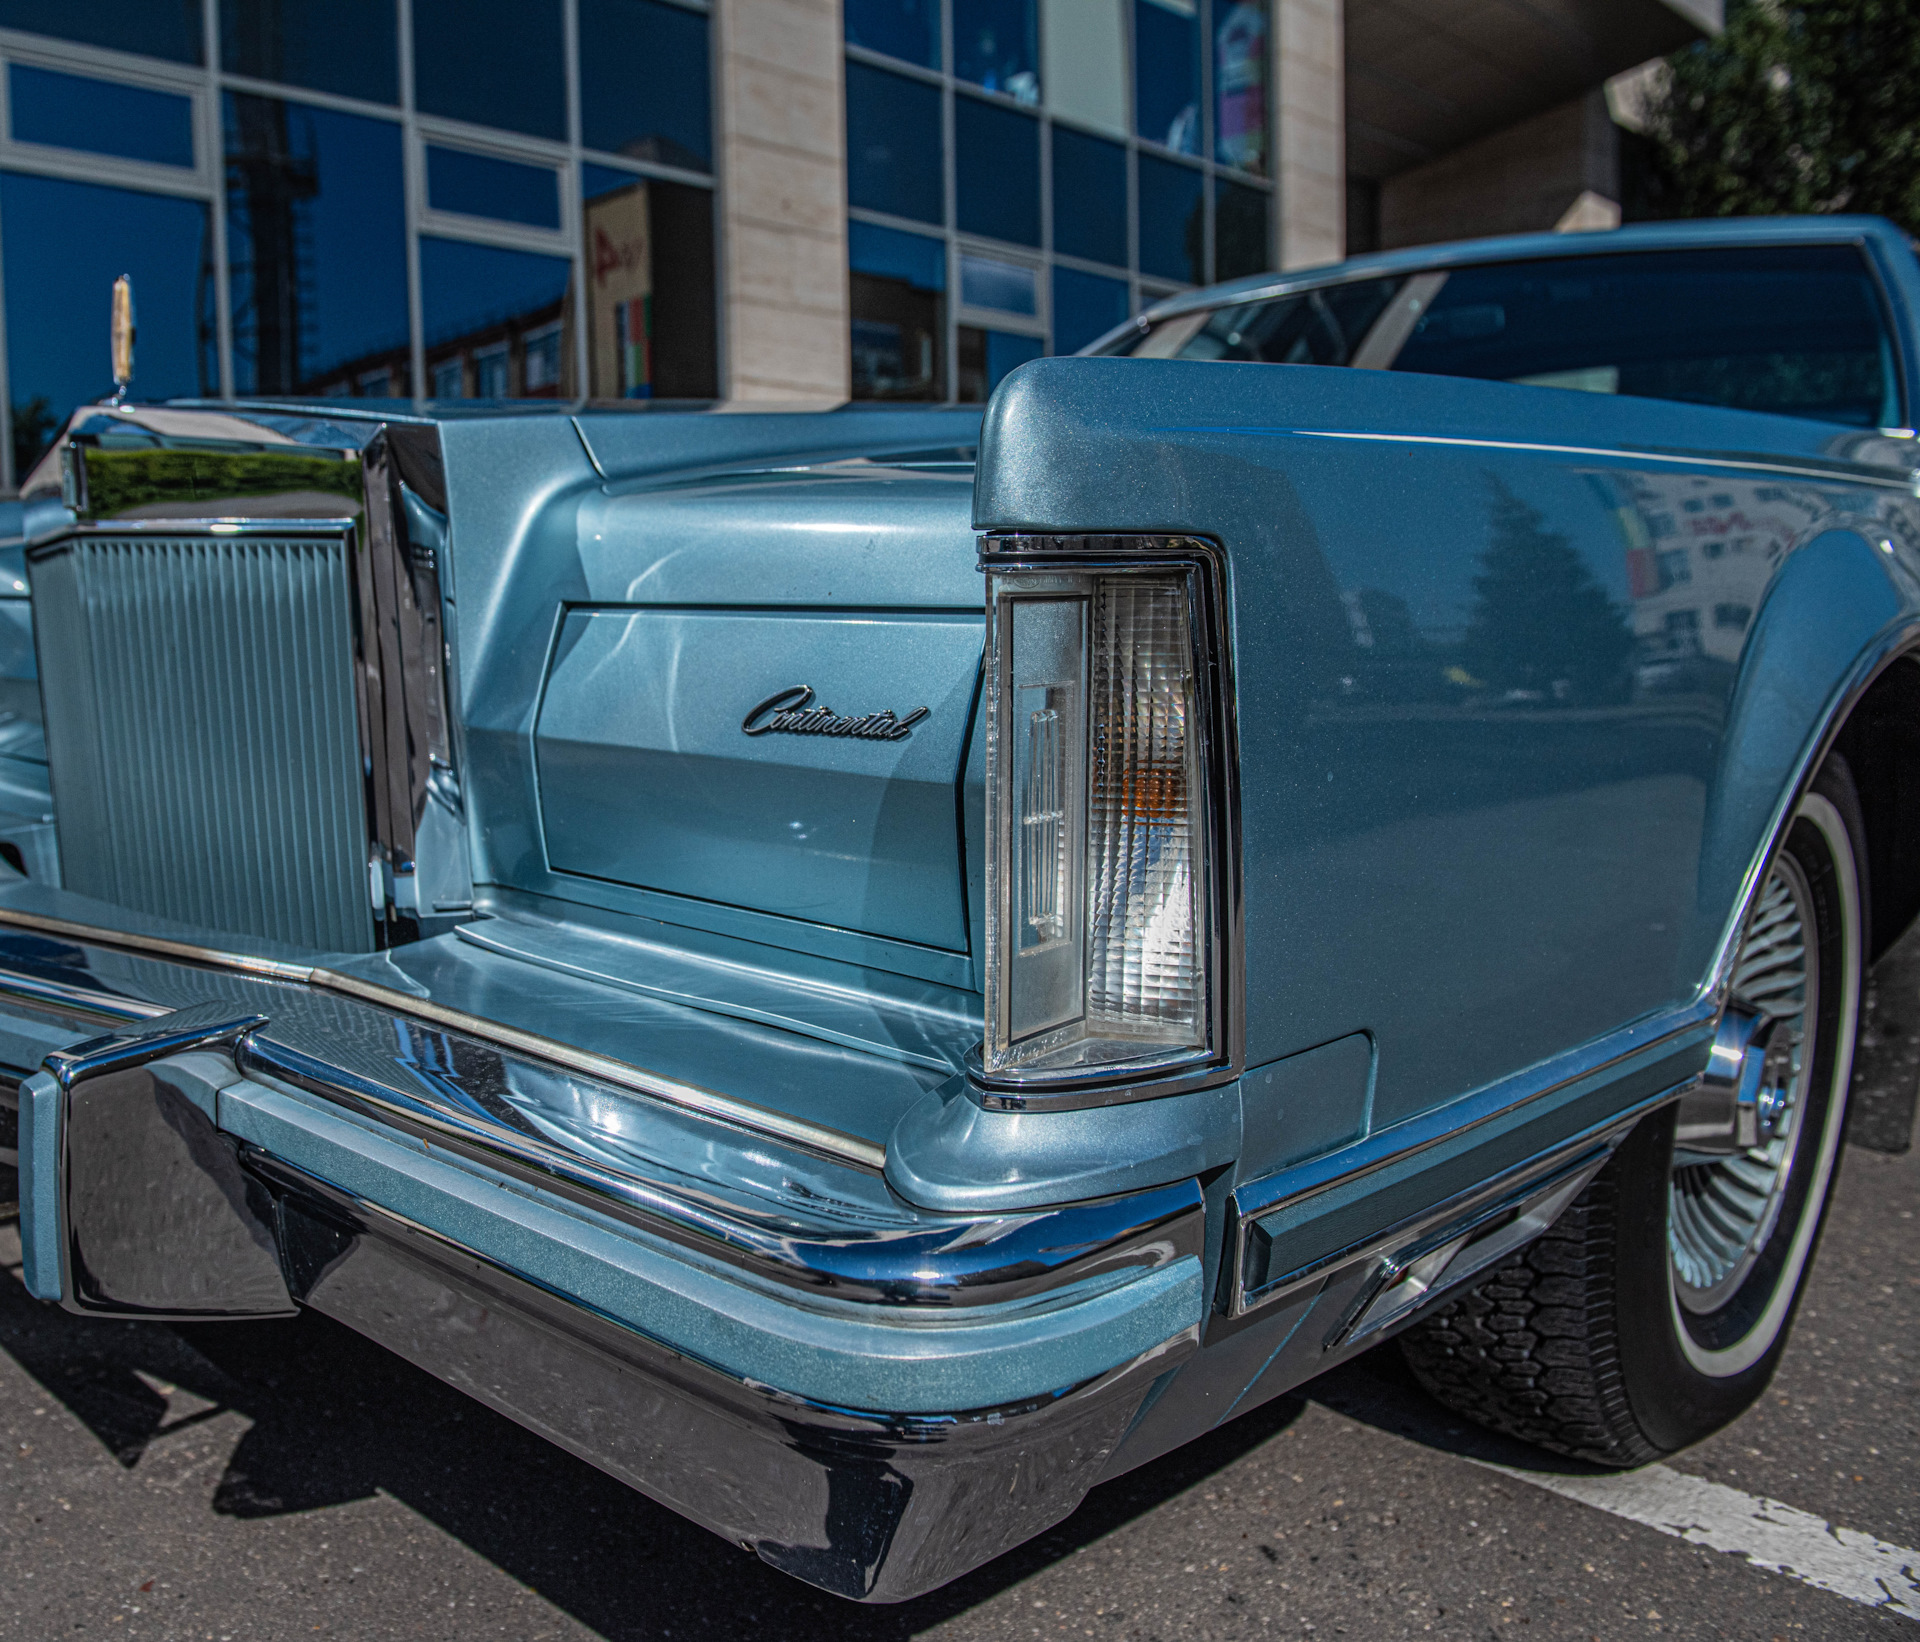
(1645, 236)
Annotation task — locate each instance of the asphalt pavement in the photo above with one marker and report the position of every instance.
(291, 1480)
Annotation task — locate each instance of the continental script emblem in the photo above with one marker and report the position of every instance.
(793, 712)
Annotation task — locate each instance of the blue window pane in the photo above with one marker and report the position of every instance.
(899, 284)
(481, 186)
(1240, 243)
(1240, 84)
(889, 254)
(1166, 92)
(650, 289)
(99, 116)
(66, 243)
(996, 44)
(893, 144)
(996, 171)
(154, 28)
(1089, 197)
(316, 247)
(987, 356)
(907, 29)
(987, 282)
(494, 62)
(1085, 306)
(501, 313)
(349, 47)
(1172, 222)
(643, 82)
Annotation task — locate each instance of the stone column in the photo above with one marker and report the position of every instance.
(1310, 81)
(783, 199)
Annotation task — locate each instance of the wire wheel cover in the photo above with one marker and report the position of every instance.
(1722, 1210)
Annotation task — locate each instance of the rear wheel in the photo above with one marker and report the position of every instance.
(1656, 1309)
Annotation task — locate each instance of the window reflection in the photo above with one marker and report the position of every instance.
(481, 185)
(316, 247)
(1089, 197)
(154, 28)
(907, 29)
(893, 144)
(493, 62)
(1084, 62)
(984, 357)
(1166, 91)
(348, 47)
(987, 282)
(996, 45)
(99, 116)
(502, 316)
(996, 163)
(1240, 84)
(65, 244)
(650, 317)
(644, 82)
(899, 313)
(1172, 221)
(1085, 306)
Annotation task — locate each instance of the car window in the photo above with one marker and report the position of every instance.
(1795, 330)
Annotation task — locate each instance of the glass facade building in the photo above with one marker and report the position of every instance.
(388, 198)
(754, 199)
(1022, 175)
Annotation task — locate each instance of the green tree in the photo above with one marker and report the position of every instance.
(1796, 107)
(1540, 622)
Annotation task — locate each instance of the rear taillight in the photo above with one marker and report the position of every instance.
(1102, 908)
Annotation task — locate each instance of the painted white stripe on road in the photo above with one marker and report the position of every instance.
(1768, 1534)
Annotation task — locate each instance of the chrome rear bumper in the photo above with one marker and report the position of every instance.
(874, 1398)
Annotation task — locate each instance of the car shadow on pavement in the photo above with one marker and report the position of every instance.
(336, 1418)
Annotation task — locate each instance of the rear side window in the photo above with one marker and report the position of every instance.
(1794, 330)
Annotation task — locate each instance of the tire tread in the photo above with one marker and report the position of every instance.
(1533, 1350)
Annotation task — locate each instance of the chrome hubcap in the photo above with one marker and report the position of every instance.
(1722, 1210)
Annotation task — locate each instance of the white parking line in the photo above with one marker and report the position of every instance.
(1768, 1534)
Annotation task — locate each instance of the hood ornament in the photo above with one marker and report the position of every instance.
(791, 712)
(122, 337)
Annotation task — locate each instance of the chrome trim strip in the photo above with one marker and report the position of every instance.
(1795, 467)
(873, 1253)
(691, 1097)
(106, 1006)
(222, 525)
(1291, 1186)
(1476, 1226)
(740, 1114)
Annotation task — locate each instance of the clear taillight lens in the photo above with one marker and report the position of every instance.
(1097, 948)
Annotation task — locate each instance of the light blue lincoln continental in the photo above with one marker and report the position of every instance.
(867, 971)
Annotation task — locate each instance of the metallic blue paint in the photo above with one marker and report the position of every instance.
(1478, 877)
(857, 834)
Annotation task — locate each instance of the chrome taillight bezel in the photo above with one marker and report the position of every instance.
(1014, 564)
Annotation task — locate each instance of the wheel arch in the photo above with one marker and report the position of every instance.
(1832, 661)
(1880, 740)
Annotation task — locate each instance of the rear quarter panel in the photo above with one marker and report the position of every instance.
(1522, 676)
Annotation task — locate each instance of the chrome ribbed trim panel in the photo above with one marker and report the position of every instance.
(710, 1103)
(202, 727)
